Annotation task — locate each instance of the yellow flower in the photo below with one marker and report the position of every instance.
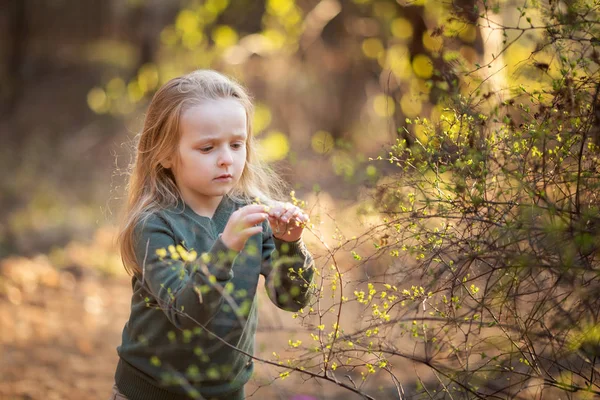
(162, 253)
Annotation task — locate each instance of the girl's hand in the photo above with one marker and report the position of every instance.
(287, 221)
(242, 224)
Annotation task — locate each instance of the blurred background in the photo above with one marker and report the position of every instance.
(333, 81)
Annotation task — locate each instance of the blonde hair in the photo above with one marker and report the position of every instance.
(152, 187)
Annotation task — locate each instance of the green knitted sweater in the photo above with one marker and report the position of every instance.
(196, 299)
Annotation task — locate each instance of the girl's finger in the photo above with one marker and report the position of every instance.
(276, 225)
(303, 217)
(291, 215)
(253, 230)
(274, 221)
(252, 209)
(276, 210)
(300, 219)
(282, 208)
(253, 219)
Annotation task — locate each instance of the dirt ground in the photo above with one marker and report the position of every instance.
(60, 328)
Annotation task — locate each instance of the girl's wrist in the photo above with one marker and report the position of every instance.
(292, 248)
(288, 240)
(225, 241)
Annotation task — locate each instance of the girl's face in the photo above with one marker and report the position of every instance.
(211, 153)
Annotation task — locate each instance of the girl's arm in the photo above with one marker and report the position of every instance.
(195, 290)
(288, 269)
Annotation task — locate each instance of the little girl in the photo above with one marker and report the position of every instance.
(195, 245)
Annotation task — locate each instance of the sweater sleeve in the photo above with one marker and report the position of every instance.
(181, 281)
(288, 269)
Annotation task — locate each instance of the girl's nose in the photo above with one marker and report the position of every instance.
(226, 158)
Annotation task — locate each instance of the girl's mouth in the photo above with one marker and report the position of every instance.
(224, 178)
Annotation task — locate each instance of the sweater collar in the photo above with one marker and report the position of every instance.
(219, 218)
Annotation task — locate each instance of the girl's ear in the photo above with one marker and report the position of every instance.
(167, 163)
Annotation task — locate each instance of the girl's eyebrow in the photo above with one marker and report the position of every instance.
(209, 138)
(243, 135)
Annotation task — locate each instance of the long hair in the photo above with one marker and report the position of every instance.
(152, 187)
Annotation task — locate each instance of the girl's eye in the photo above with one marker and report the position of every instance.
(237, 145)
(206, 149)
